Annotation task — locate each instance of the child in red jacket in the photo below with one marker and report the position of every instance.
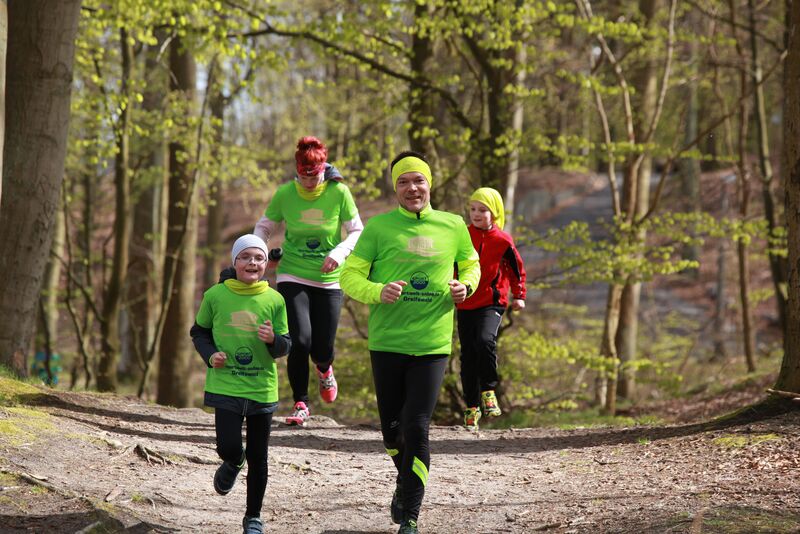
(479, 316)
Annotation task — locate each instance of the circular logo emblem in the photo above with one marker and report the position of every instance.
(419, 280)
(244, 356)
(312, 243)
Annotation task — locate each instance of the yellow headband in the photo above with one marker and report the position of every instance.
(411, 164)
(492, 200)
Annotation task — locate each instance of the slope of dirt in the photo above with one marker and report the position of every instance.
(94, 463)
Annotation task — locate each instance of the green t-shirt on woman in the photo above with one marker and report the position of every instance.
(313, 228)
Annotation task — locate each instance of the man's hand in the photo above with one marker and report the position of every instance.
(517, 304)
(391, 291)
(458, 291)
(329, 265)
(217, 360)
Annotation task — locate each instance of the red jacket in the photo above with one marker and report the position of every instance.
(501, 269)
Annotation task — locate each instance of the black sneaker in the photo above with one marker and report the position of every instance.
(225, 477)
(252, 525)
(397, 504)
(409, 526)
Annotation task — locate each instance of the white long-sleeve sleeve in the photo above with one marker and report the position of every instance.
(265, 228)
(353, 228)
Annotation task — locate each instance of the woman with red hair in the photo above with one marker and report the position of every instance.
(315, 206)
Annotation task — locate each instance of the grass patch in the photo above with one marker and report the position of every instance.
(749, 520)
(23, 425)
(736, 441)
(566, 420)
(12, 391)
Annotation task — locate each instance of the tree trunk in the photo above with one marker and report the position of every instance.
(789, 375)
(48, 307)
(777, 264)
(175, 348)
(3, 47)
(690, 167)
(513, 162)
(493, 165)
(41, 46)
(215, 220)
(636, 202)
(743, 184)
(147, 241)
(420, 99)
(720, 306)
(112, 299)
(608, 348)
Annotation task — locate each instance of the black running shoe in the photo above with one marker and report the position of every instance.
(397, 505)
(409, 526)
(252, 525)
(225, 477)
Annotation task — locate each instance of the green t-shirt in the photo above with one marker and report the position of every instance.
(423, 252)
(249, 372)
(313, 228)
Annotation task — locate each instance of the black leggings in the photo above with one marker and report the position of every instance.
(477, 331)
(228, 426)
(406, 388)
(313, 316)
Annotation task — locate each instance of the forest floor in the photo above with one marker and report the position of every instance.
(78, 462)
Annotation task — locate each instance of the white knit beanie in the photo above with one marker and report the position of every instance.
(247, 241)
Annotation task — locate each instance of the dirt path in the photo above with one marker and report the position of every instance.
(117, 465)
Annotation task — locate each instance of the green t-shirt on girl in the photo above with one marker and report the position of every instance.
(421, 251)
(313, 228)
(234, 311)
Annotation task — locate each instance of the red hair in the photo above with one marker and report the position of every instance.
(311, 156)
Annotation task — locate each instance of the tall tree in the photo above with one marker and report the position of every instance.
(41, 37)
(3, 48)
(776, 262)
(636, 202)
(114, 291)
(149, 219)
(789, 376)
(179, 272)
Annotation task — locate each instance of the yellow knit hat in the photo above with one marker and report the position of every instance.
(492, 200)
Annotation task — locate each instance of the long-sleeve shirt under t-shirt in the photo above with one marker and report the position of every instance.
(313, 231)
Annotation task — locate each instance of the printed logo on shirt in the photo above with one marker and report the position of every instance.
(313, 217)
(312, 242)
(244, 320)
(244, 356)
(421, 246)
(419, 280)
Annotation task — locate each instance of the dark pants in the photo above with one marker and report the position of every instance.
(313, 316)
(406, 388)
(477, 331)
(228, 426)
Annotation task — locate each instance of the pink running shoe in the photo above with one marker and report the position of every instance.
(327, 385)
(299, 415)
